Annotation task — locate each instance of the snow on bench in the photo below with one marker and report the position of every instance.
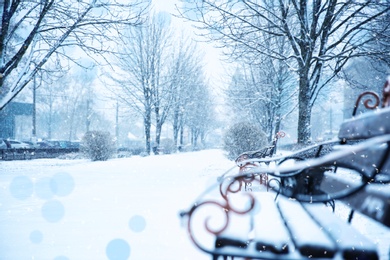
(376, 196)
(288, 221)
(281, 229)
(351, 243)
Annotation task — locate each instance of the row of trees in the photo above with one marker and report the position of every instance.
(309, 41)
(161, 78)
(287, 52)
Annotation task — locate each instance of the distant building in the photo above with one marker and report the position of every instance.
(16, 120)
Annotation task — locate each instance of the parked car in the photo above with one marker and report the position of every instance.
(18, 144)
(44, 144)
(31, 144)
(59, 143)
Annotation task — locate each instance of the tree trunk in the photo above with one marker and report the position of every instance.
(147, 125)
(175, 127)
(181, 135)
(158, 133)
(304, 110)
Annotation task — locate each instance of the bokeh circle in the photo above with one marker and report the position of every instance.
(21, 187)
(36, 237)
(53, 211)
(62, 184)
(61, 257)
(118, 249)
(137, 223)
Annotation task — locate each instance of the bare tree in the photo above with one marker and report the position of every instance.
(141, 76)
(199, 112)
(65, 103)
(47, 95)
(79, 99)
(161, 84)
(262, 94)
(322, 36)
(186, 69)
(369, 72)
(32, 31)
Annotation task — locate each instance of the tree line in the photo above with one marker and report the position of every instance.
(161, 78)
(286, 54)
(150, 72)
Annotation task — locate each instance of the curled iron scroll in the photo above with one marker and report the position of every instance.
(368, 103)
(226, 207)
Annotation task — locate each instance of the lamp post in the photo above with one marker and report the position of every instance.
(34, 112)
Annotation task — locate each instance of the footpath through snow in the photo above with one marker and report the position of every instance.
(119, 209)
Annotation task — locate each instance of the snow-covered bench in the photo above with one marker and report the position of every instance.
(264, 152)
(266, 225)
(288, 229)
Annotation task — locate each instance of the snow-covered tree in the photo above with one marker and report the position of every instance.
(186, 75)
(321, 36)
(262, 94)
(31, 32)
(198, 111)
(141, 78)
(158, 77)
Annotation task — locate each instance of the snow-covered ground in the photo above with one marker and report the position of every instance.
(124, 208)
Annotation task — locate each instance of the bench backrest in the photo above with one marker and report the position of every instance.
(368, 125)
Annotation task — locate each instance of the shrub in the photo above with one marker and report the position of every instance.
(98, 145)
(243, 137)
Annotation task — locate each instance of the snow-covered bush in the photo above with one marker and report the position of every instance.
(98, 145)
(242, 137)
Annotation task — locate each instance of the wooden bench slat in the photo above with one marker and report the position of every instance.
(237, 233)
(308, 237)
(270, 232)
(372, 201)
(365, 126)
(279, 227)
(352, 243)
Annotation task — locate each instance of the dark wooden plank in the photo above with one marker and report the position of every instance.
(308, 237)
(287, 229)
(367, 125)
(373, 201)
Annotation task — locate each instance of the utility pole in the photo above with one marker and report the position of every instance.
(34, 114)
(50, 115)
